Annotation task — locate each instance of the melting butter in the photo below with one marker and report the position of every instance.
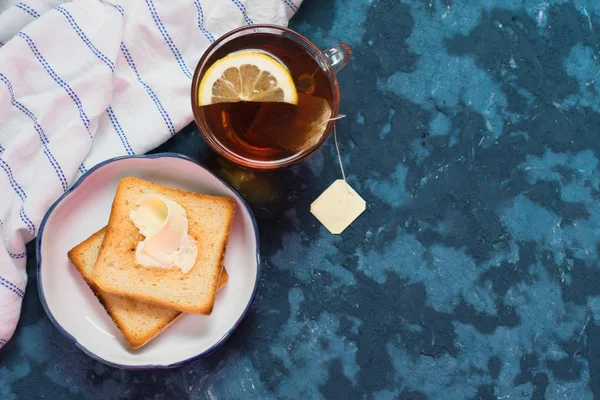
(167, 243)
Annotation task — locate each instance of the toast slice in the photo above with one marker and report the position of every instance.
(209, 223)
(139, 322)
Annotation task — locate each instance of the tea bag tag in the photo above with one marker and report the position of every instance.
(338, 206)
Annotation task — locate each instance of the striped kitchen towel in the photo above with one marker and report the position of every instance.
(87, 80)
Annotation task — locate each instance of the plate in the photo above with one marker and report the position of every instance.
(77, 313)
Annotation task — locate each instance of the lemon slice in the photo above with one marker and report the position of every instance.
(247, 76)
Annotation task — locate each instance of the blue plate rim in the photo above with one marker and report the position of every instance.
(210, 350)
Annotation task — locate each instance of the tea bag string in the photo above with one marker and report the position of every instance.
(337, 146)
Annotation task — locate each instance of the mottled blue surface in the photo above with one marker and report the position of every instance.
(473, 133)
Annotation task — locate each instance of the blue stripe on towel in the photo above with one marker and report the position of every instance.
(291, 5)
(17, 188)
(26, 220)
(119, 8)
(59, 81)
(40, 132)
(167, 37)
(239, 5)
(12, 287)
(19, 191)
(117, 126)
(17, 256)
(85, 39)
(205, 31)
(28, 10)
(151, 93)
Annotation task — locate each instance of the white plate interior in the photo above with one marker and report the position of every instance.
(75, 308)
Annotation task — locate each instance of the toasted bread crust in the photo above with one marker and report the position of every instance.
(76, 255)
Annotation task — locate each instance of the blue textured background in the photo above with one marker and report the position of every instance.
(473, 134)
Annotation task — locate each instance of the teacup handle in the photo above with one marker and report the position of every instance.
(338, 56)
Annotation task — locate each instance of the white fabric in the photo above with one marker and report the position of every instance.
(88, 80)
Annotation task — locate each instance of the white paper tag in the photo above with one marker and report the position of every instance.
(338, 206)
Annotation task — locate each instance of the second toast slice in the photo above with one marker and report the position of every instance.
(138, 321)
(209, 223)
